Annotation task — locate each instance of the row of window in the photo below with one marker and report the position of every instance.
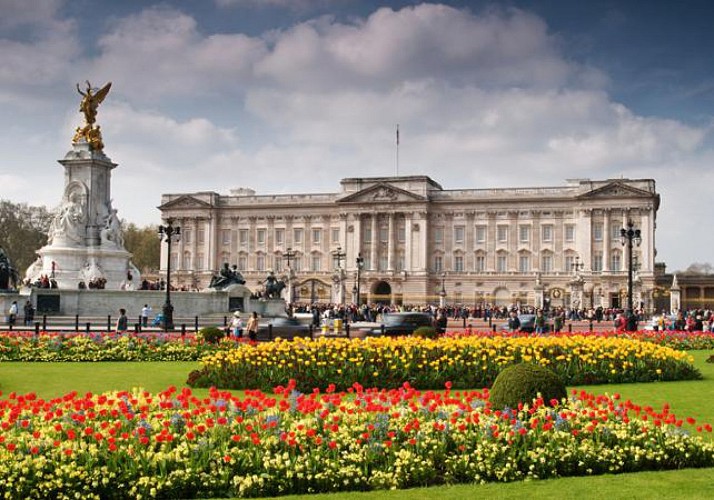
(547, 232)
(264, 262)
(525, 263)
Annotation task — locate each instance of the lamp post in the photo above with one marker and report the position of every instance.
(169, 233)
(290, 255)
(628, 236)
(339, 256)
(577, 265)
(442, 293)
(360, 264)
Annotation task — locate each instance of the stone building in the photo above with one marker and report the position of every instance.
(421, 243)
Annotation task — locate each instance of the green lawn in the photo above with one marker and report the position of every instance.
(692, 398)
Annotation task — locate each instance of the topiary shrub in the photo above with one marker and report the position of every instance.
(426, 332)
(522, 383)
(210, 334)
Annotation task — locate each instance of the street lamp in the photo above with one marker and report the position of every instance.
(290, 255)
(442, 293)
(628, 236)
(360, 264)
(169, 233)
(577, 265)
(339, 256)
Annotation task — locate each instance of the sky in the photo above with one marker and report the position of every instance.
(291, 96)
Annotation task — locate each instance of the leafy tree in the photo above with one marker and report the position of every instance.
(23, 231)
(145, 246)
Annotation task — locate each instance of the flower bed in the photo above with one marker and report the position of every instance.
(427, 364)
(682, 340)
(102, 347)
(131, 445)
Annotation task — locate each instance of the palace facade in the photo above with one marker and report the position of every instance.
(416, 242)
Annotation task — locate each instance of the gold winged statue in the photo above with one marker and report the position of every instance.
(91, 99)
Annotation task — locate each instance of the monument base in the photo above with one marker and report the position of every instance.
(74, 267)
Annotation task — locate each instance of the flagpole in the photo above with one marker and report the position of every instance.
(397, 150)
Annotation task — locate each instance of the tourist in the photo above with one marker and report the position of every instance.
(29, 313)
(145, 313)
(237, 325)
(514, 324)
(539, 323)
(252, 326)
(12, 314)
(122, 322)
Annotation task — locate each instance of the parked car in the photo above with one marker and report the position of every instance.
(527, 323)
(286, 328)
(402, 323)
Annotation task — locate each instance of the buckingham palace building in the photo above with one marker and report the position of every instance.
(407, 240)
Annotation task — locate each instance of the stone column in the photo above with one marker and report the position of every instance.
(390, 243)
(375, 242)
(606, 243)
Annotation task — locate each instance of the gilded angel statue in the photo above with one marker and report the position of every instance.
(91, 100)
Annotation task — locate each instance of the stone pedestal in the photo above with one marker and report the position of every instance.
(85, 242)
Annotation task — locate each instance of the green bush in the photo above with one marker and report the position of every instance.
(426, 332)
(211, 334)
(524, 382)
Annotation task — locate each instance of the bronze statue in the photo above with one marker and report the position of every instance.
(8, 274)
(273, 286)
(91, 99)
(226, 277)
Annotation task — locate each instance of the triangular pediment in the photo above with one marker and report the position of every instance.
(381, 193)
(185, 201)
(616, 189)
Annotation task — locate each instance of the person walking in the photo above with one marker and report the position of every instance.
(145, 313)
(122, 324)
(29, 313)
(12, 313)
(252, 326)
(237, 325)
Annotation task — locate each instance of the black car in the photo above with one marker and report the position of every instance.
(285, 328)
(403, 323)
(527, 323)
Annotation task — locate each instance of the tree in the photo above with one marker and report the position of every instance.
(23, 231)
(145, 246)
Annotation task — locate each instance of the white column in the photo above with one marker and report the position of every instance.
(374, 243)
(390, 243)
(606, 243)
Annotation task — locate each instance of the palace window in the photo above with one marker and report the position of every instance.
(597, 262)
(546, 263)
(502, 234)
(547, 233)
(569, 233)
(438, 263)
(226, 236)
(279, 236)
(297, 236)
(459, 232)
(480, 234)
(480, 264)
(260, 262)
(186, 235)
(524, 233)
(597, 231)
(501, 263)
(243, 237)
(315, 261)
(438, 235)
(615, 261)
(459, 263)
(524, 263)
(316, 236)
(260, 236)
(335, 235)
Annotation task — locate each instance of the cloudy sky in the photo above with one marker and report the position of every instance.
(294, 95)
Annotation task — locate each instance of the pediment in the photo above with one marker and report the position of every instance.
(185, 201)
(616, 190)
(381, 193)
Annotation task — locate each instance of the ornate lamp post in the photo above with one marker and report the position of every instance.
(628, 236)
(339, 256)
(290, 255)
(169, 233)
(360, 265)
(442, 293)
